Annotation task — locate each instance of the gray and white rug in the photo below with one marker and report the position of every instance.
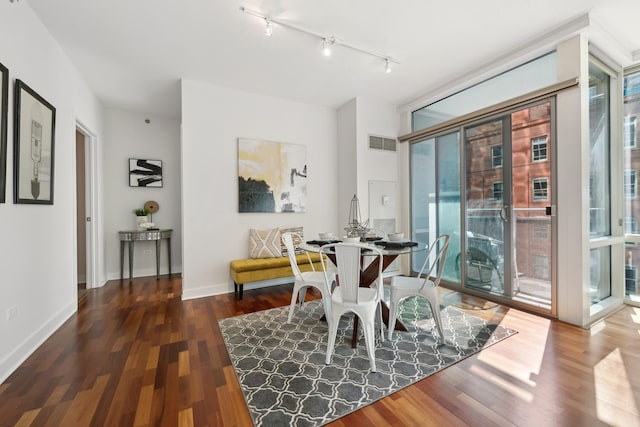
(285, 381)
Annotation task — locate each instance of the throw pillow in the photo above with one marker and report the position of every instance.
(264, 243)
(296, 241)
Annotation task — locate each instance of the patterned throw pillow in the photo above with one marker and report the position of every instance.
(296, 241)
(264, 243)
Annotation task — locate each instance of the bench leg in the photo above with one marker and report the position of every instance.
(237, 289)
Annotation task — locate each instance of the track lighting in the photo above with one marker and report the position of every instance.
(268, 31)
(326, 46)
(327, 41)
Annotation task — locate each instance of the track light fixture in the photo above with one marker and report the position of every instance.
(327, 41)
(268, 31)
(326, 46)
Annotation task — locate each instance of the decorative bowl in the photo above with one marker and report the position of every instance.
(346, 239)
(395, 237)
(326, 236)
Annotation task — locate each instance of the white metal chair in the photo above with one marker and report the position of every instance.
(348, 296)
(403, 287)
(304, 279)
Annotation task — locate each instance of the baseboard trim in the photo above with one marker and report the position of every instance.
(13, 360)
(226, 288)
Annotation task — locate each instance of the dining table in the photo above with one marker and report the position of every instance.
(390, 252)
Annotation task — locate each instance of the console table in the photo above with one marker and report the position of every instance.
(133, 236)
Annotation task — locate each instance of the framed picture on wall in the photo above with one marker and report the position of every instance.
(4, 107)
(145, 173)
(33, 149)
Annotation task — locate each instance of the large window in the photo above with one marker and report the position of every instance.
(600, 179)
(528, 77)
(631, 166)
(599, 171)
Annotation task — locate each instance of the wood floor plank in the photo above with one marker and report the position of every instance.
(135, 354)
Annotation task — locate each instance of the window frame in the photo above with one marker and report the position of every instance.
(493, 190)
(494, 156)
(537, 141)
(540, 180)
(630, 132)
(628, 195)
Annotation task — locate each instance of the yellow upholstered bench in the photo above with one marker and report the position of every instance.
(256, 269)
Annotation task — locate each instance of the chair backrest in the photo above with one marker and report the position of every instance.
(435, 259)
(348, 260)
(287, 239)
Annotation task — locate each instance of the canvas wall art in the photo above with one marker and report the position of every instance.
(272, 176)
(34, 136)
(145, 173)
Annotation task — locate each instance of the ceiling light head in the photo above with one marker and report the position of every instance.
(387, 66)
(268, 31)
(326, 47)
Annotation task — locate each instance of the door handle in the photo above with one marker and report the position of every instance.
(503, 213)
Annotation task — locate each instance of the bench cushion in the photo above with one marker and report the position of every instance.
(253, 270)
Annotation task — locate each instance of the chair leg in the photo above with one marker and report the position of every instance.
(370, 342)
(379, 310)
(326, 304)
(393, 312)
(432, 298)
(333, 331)
(294, 295)
(303, 295)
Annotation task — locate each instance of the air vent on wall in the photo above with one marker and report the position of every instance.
(382, 143)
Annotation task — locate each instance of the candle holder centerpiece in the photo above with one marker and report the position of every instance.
(356, 227)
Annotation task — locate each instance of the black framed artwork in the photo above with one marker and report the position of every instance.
(4, 107)
(33, 148)
(145, 173)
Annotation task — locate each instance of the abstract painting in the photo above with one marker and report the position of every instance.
(145, 173)
(272, 176)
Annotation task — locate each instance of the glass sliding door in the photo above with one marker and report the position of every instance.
(489, 185)
(508, 206)
(487, 201)
(532, 202)
(435, 196)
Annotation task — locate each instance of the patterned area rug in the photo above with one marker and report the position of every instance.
(285, 381)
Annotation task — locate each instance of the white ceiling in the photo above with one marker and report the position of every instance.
(133, 53)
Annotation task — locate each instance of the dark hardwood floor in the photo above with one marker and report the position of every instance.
(137, 355)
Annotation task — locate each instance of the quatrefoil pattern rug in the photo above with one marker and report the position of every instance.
(285, 381)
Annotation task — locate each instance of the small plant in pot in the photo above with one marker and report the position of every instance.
(141, 212)
(142, 219)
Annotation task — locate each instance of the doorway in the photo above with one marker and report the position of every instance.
(86, 263)
(81, 233)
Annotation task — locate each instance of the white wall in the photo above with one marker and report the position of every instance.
(359, 164)
(38, 249)
(129, 136)
(379, 119)
(214, 233)
(347, 161)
